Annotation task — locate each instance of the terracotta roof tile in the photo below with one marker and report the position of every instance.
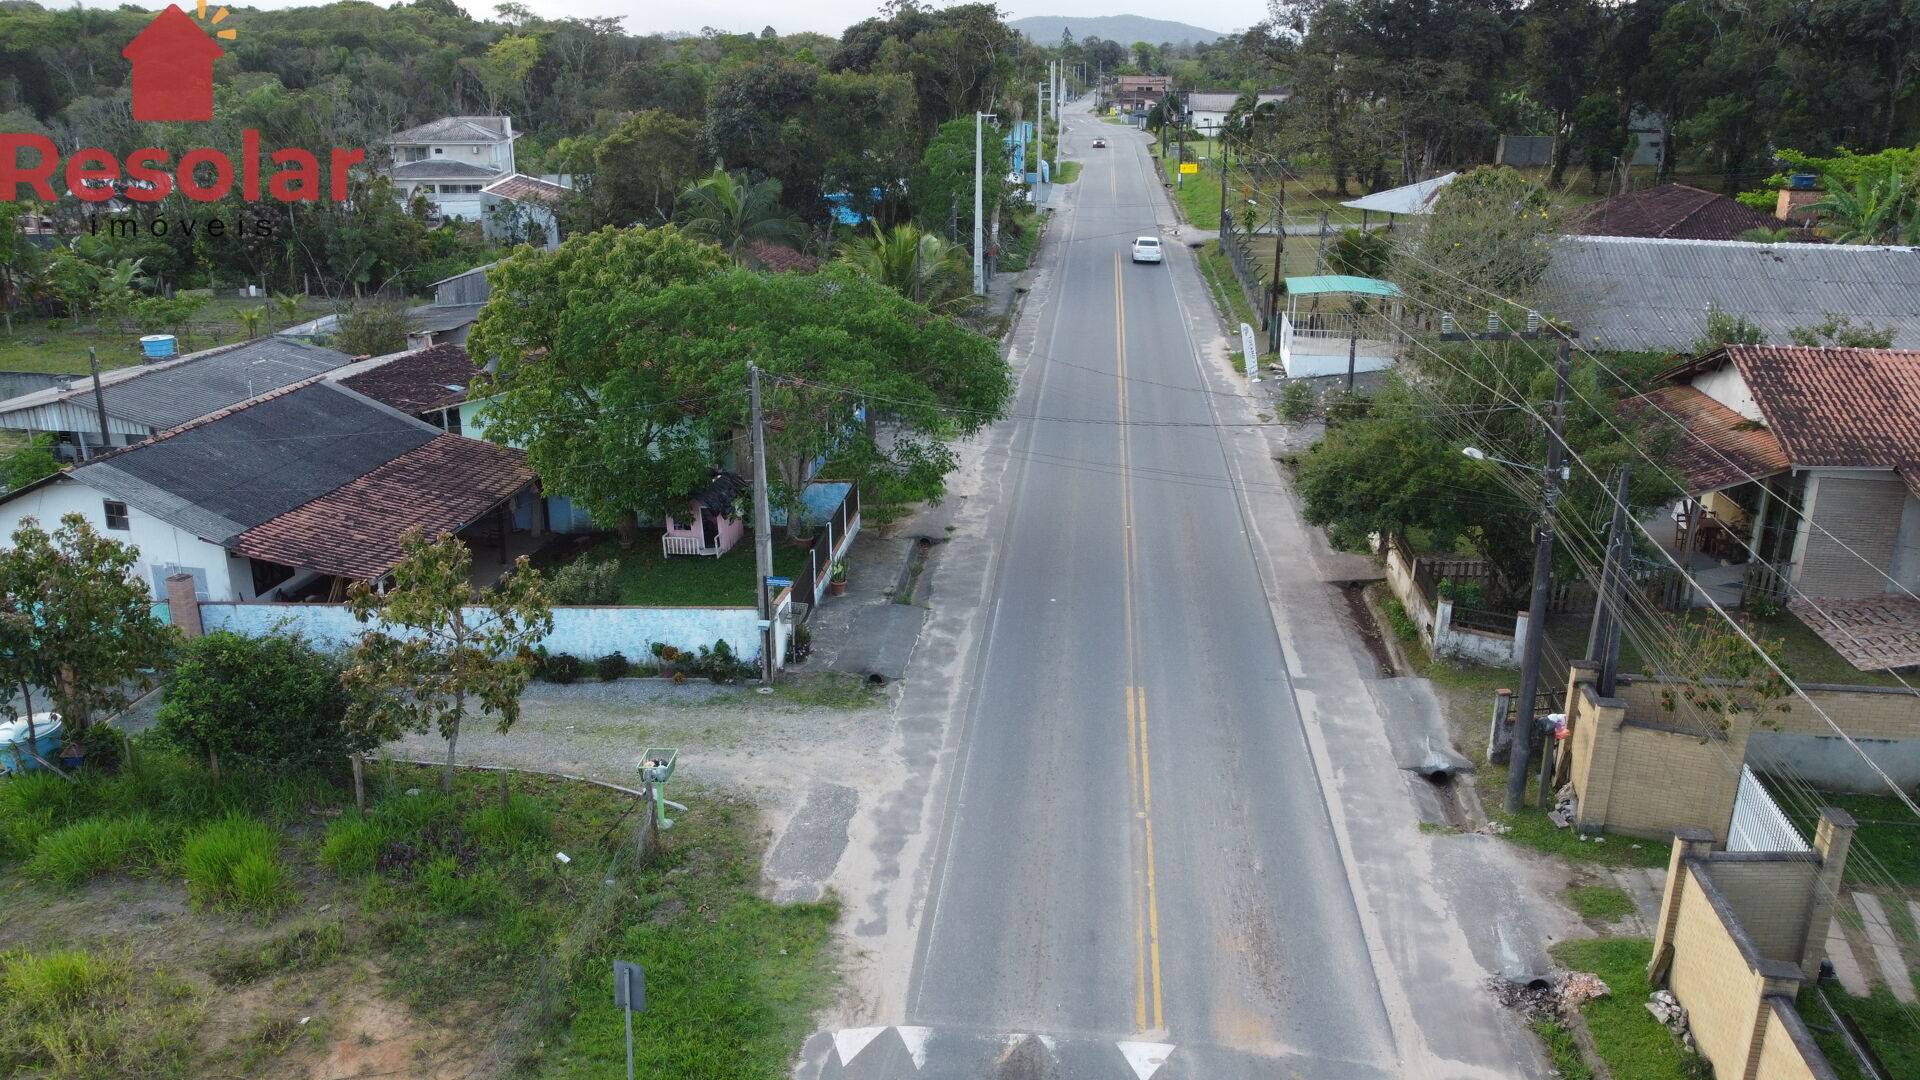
(355, 530)
(1670, 211)
(1845, 408)
(419, 382)
(1714, 447)
(523, 188)
(780, 260)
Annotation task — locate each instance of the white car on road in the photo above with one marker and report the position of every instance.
(1146, 249)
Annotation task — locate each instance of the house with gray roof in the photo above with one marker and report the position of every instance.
(451, 159)
(1651, 294)
(142, 401)
(285, 494)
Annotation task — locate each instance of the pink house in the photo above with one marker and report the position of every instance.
(716, 521)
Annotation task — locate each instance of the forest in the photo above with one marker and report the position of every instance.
(1381, 92)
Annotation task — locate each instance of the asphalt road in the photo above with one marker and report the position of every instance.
(1135, 858)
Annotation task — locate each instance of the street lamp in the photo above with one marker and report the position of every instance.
(979, 229)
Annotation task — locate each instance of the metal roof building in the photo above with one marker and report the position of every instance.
(143, 401)
(1653, 294)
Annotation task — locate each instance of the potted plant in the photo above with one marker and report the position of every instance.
(838, 585)
(801, 533)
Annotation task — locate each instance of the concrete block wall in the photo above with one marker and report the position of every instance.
(1649, 772)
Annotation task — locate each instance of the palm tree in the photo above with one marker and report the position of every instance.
(921, 266)
(725, 209)
(1873, 211)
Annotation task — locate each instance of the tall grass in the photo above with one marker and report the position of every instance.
(520, 824)
(235, 863)
(96, 845)
(353, 844)
(60, 979)
(70, 1013)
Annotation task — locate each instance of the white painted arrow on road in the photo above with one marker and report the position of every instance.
(1145, 1057)
(848, 1042)
(916, 1040)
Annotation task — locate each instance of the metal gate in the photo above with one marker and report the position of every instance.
(1758, 823)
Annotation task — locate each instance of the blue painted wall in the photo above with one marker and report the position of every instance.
(583, 631)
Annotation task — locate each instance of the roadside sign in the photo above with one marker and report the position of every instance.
(779, 583)
(629, 986)
(1189, 167)
(1249, 350)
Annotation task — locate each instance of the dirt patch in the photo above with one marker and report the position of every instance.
(375, 1037)
(1353, 596)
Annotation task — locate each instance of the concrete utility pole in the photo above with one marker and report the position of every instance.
(99, 399)
(979, 210)
(762, 528)
(1524, 727)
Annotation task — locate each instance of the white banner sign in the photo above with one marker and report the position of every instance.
(1249, 350)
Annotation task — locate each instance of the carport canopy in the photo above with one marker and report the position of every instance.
(1340, 283)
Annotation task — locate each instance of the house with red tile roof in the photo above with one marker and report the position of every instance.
(288, 495)
(1672, 212)
(1801, 468)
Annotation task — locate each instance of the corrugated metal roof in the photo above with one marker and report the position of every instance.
(228, 473)
(523, 188)
(439, 318)
(1631, 293)
(1411, 199)
(178, 393)
(442, 169)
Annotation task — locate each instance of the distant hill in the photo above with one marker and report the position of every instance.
(1125, 29)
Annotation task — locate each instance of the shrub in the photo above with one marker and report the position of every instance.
(353, 843)
(104, 746)
(720, 665)
(520, 824)
(235, 861)
(96, 845)
(57, 980)
(588, 582)
(613, 667)
(275, 701)
(561, 668)
(1296, 401)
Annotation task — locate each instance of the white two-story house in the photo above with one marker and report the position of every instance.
(451, 159)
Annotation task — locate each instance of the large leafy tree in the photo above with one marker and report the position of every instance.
(1485, 242)
(641, 169)
(603, 421)
(434, 644)
(74, 619)
(826, 342)
(941, 188)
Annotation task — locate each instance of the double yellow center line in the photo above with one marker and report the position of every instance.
(1146, 906)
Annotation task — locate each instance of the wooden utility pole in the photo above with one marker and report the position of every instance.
(1524, 726)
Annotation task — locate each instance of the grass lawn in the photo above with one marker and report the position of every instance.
(1228, 297)
(650, 579)
(163, 923)
(1600, 903)
(57, 345)
(1630, 1041)
(1066, 172)
(1198, 195)
(1805, 656)
(1894, 847)
(1888, 1026)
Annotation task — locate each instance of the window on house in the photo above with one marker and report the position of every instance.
(437, 151)
(450, 421)
(426, 189)
(116, 515)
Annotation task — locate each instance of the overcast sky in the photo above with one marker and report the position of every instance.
(792, 16)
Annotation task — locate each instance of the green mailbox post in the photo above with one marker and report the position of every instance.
(656, 767)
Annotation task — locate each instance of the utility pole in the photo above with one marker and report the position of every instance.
(1603, 638)
(99, 399)
(1223, 179)
(1525, 728)
(979, 211)
(762, 528)
(1279, 264)
(1039, 131)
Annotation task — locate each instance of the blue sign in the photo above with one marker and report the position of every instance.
(779, 583)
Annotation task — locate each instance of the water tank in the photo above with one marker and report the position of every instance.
(157, 346)
(1803, 181)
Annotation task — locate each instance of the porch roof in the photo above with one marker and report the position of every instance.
(1340, 283)
(1875, 633)
(1714, 447)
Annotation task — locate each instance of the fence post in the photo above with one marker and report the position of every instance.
(1500, 736)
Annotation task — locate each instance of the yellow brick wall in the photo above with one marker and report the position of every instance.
(1780, 1059)
(1772, 900)
(1712, 980)
(1663, 780)
(1860, 714)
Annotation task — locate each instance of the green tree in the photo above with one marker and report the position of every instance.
(75, 620)
(641, 169)
(434, 644)
(1841, 331)
(941, 187)
(273, 701)
(1875, 209)
(726, 209)
(602, 423)
(921, 266)
(1728, 328)
(1485, 242)
(34, 461)
(825, 343)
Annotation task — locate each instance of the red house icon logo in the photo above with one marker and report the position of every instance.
(173, 68)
